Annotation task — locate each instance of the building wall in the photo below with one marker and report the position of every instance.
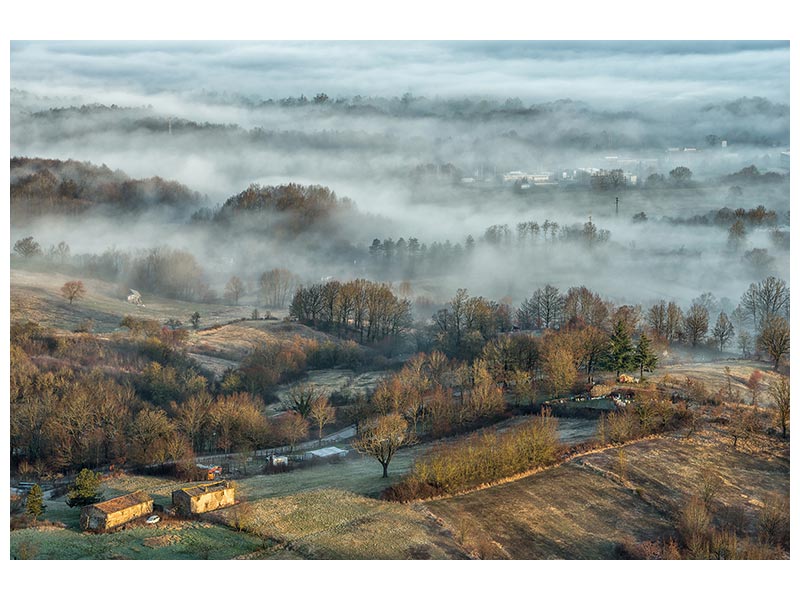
(93, 519)
(182, 502)
(212, 500)
(129, 514)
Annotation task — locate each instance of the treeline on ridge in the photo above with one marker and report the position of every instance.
(47, 186)
(292, 208)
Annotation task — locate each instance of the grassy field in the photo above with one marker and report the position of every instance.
(333, 524)
(338, 380)
(281, 522)
(585, 508)
(360, 475)
(235, 341)
(168, 540)
(712, 374)
(36, 296)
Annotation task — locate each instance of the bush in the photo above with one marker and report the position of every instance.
(646, 550)
(694, 526)
(698, 392)
(485, 457)
(773, 522)
(409, 490)
(646, 416)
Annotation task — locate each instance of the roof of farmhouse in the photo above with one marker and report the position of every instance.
(122, 502)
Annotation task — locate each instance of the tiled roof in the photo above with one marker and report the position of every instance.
(204, 488)
(122, 502)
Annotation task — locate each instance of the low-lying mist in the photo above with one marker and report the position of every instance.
(432, 173)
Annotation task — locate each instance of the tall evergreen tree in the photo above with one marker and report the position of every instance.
(644, 357)
(34, 503)
(85, 489)
(620, 350)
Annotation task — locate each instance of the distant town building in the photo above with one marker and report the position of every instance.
(531, 178)
(203, 498)
(107, 515)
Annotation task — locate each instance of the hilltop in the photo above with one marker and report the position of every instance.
(42, 186)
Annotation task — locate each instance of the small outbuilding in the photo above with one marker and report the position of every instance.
(107, 515)
(329, 452)
(203, 498)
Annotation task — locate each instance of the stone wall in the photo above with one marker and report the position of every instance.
(213, 500)
(94, 519)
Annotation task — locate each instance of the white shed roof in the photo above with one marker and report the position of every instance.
(324, 452)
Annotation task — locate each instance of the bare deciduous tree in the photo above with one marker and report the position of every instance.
(292, 428)
(696, 323)
(558, 366)
(723, 330)
(276, 287)
(382, 437)
(774, 339)
(322, 413)
(73, 290)
(779, 392)
(234, 289)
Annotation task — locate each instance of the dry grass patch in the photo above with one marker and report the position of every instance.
(713, 376)
(235, 341)
(589, 507)
(36, 296)
(566, 512)
(668, 472)
(334, 524)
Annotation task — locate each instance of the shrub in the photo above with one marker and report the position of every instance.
(773, 522)
(694, 523)
(485, 457)
(646, 550)
(408, 490)
(698, 392)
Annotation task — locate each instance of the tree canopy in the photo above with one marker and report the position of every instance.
(85, 490)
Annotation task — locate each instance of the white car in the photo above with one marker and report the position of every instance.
(152, 519)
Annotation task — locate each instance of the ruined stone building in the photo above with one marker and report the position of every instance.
(107, 515)
(203, 498)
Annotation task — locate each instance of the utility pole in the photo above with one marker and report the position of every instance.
(617, 205)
